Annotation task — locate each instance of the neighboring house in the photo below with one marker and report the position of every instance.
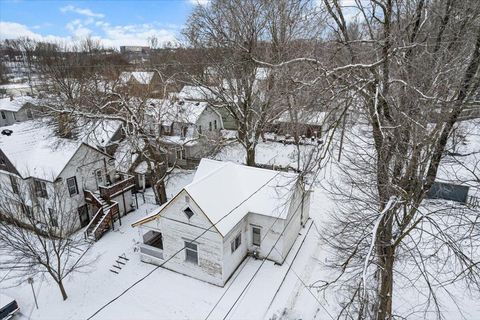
(307, 123)
(140, 78)
(31, 155)
(103, 134)
(187, 128)
(199, 93)
(17, 109)
(228, 212)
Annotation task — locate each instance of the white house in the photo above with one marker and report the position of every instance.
(16, 109)
(31, 155)
(139, 77)
(186, 127)
(226, 213)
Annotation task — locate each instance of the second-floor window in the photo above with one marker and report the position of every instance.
(210, 126)
(72, 186)
(41, 188)
(28, 212)
(53, 217)
(215, 124)
(235, 244)
(14, 183)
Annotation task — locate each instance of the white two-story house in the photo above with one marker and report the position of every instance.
(226, 213)
(188, 128)
(67, 177)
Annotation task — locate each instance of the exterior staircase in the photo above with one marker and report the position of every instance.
(107, 208)
(103, 219)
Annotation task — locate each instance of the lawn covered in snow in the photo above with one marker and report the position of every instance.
(256, 291)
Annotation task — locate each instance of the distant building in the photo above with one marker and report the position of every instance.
(135, 54)
(229, 211)
(134, 49)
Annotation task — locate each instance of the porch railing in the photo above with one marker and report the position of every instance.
(151, 251)
(125, 183)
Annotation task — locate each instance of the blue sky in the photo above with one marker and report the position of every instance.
(115, 22)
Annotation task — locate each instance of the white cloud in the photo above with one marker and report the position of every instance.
(110, 36)
(82, 11)
(13, 30)
(199, 2)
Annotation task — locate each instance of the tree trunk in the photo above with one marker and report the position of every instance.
(160, 192)
(62, 290)
(386, 259)
(251, 156)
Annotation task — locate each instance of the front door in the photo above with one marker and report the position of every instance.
(83, 215)
(99, 178)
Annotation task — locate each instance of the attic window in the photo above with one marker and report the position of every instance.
(188, 212)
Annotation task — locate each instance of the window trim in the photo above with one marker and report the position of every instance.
(75, 185)
(236, 243)
(14, 184)
(192, 251)
(53, 218)
(187, 215)
(40, 188)
(259, 243)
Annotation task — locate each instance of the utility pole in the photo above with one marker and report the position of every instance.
(30, 281)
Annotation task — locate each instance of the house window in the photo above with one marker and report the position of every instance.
(200, 129)
(14, 183)
(3, 162)
(29, 114)
(27, 211)
(154, 239)
(4, 116)
(72, 186)
(236, 242)
(188, 212)
(183, 133)
(210, 126)
(53, 217)
(180, 154)
(191, 252)
(256, 236)
(215, 124)
(41, 188)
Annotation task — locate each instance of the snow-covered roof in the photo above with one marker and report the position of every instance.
(143, 77)
(35, 150)
(15, 104)
(195, 93)
(167, 111)
(98, 133)
(226, 192)
(306, 117)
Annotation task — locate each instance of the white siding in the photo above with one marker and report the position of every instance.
(176, 228)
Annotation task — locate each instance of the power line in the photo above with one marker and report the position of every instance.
(263, 261)
(177, 252)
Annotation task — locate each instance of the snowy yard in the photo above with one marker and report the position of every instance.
(256, 290)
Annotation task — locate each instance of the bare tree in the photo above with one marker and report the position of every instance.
(251, 94)
(36, 233)
(400, 75)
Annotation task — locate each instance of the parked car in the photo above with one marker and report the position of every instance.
(8, 307)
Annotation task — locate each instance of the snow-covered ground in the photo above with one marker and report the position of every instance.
(256, 291)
